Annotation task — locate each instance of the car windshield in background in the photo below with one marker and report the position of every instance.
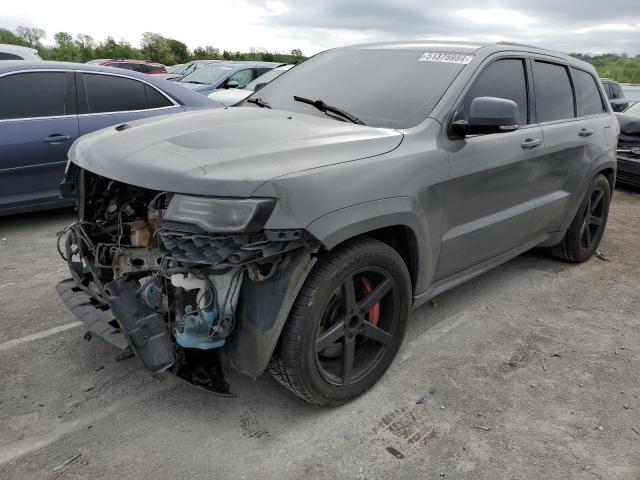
(266, 78)
(207, 75)
(390, 88)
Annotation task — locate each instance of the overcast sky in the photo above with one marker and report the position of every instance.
(315, 25)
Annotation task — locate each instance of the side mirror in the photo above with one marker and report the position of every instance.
(232, 84)
(619, 104)
(489, 115)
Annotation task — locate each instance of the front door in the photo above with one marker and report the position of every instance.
(490, 199)
(38, 124)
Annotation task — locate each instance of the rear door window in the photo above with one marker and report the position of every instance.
(35, 94)
(554, 94)
(106, 93)
(504, 78)
(588, 97)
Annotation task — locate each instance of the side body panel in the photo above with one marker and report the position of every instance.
(403, 187)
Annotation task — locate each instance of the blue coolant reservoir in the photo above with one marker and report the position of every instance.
(195, 331)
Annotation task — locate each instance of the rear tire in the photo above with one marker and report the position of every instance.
(585, 232)
(346, 325)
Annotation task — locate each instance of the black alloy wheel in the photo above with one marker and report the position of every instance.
(346, 325)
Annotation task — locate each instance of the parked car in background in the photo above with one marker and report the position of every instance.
(187, 68)
(16, 52)
(45, 106)
(194, 65)
(142, 66)
(615, 94)
(629, 146)
(296, 230)
(232, 96)
(175, 68)
(225, 75)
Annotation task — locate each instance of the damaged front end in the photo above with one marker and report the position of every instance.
(178, 278)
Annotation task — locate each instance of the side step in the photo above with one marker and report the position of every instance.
(98, 321)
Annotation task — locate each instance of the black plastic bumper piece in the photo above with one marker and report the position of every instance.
(98, 321)
(146, 330)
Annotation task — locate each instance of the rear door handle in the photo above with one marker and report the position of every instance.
(531, 143)
(56, 138)
(585, 132)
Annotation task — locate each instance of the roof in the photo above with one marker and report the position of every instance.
(125, 60)
(467, 47)
(5, 47)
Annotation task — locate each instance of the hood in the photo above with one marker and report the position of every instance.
(225, 152)
(629, 124)
(231, 96)
(192, 86)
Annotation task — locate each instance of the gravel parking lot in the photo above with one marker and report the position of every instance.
(530, 371)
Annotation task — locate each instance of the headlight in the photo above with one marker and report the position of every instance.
(221, 214)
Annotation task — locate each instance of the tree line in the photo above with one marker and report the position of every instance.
(154, 46)
(622, 68)
(169, 51)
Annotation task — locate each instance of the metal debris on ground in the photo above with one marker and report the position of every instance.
(601, 256)
(480, 427)
(66, 462)
(395, 452)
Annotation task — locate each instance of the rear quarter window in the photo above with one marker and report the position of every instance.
(588, 98)
(554, 95)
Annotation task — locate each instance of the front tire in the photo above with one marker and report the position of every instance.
(587, 228)
(347, 324)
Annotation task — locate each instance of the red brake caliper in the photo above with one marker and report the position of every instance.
(374, 313)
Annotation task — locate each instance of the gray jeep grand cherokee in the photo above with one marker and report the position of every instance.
(295, 231)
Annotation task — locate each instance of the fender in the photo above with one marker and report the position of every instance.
(341, 225)
(600, 163)
(264, 307)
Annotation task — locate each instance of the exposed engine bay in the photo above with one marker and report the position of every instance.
(171, 277)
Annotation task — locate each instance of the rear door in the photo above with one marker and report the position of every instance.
(568, 138)
(106, 99)
(38, 124)
(490, 205)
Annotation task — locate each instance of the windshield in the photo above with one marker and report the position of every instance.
(266, 77)
(633, 109)
(207, 75)
(383, 87)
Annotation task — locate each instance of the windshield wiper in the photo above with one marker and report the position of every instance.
(194, 81)
(259, 102)
(323, 107)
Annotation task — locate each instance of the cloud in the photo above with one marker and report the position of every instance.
(569, 25)
(565, 25)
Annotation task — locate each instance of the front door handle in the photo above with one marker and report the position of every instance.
(585, 132)
(531, 143)
(57, 138)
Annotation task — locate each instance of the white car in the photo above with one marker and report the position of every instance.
(16, 52)
(232, 96)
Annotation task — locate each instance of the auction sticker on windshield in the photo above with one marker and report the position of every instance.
(446, 58)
